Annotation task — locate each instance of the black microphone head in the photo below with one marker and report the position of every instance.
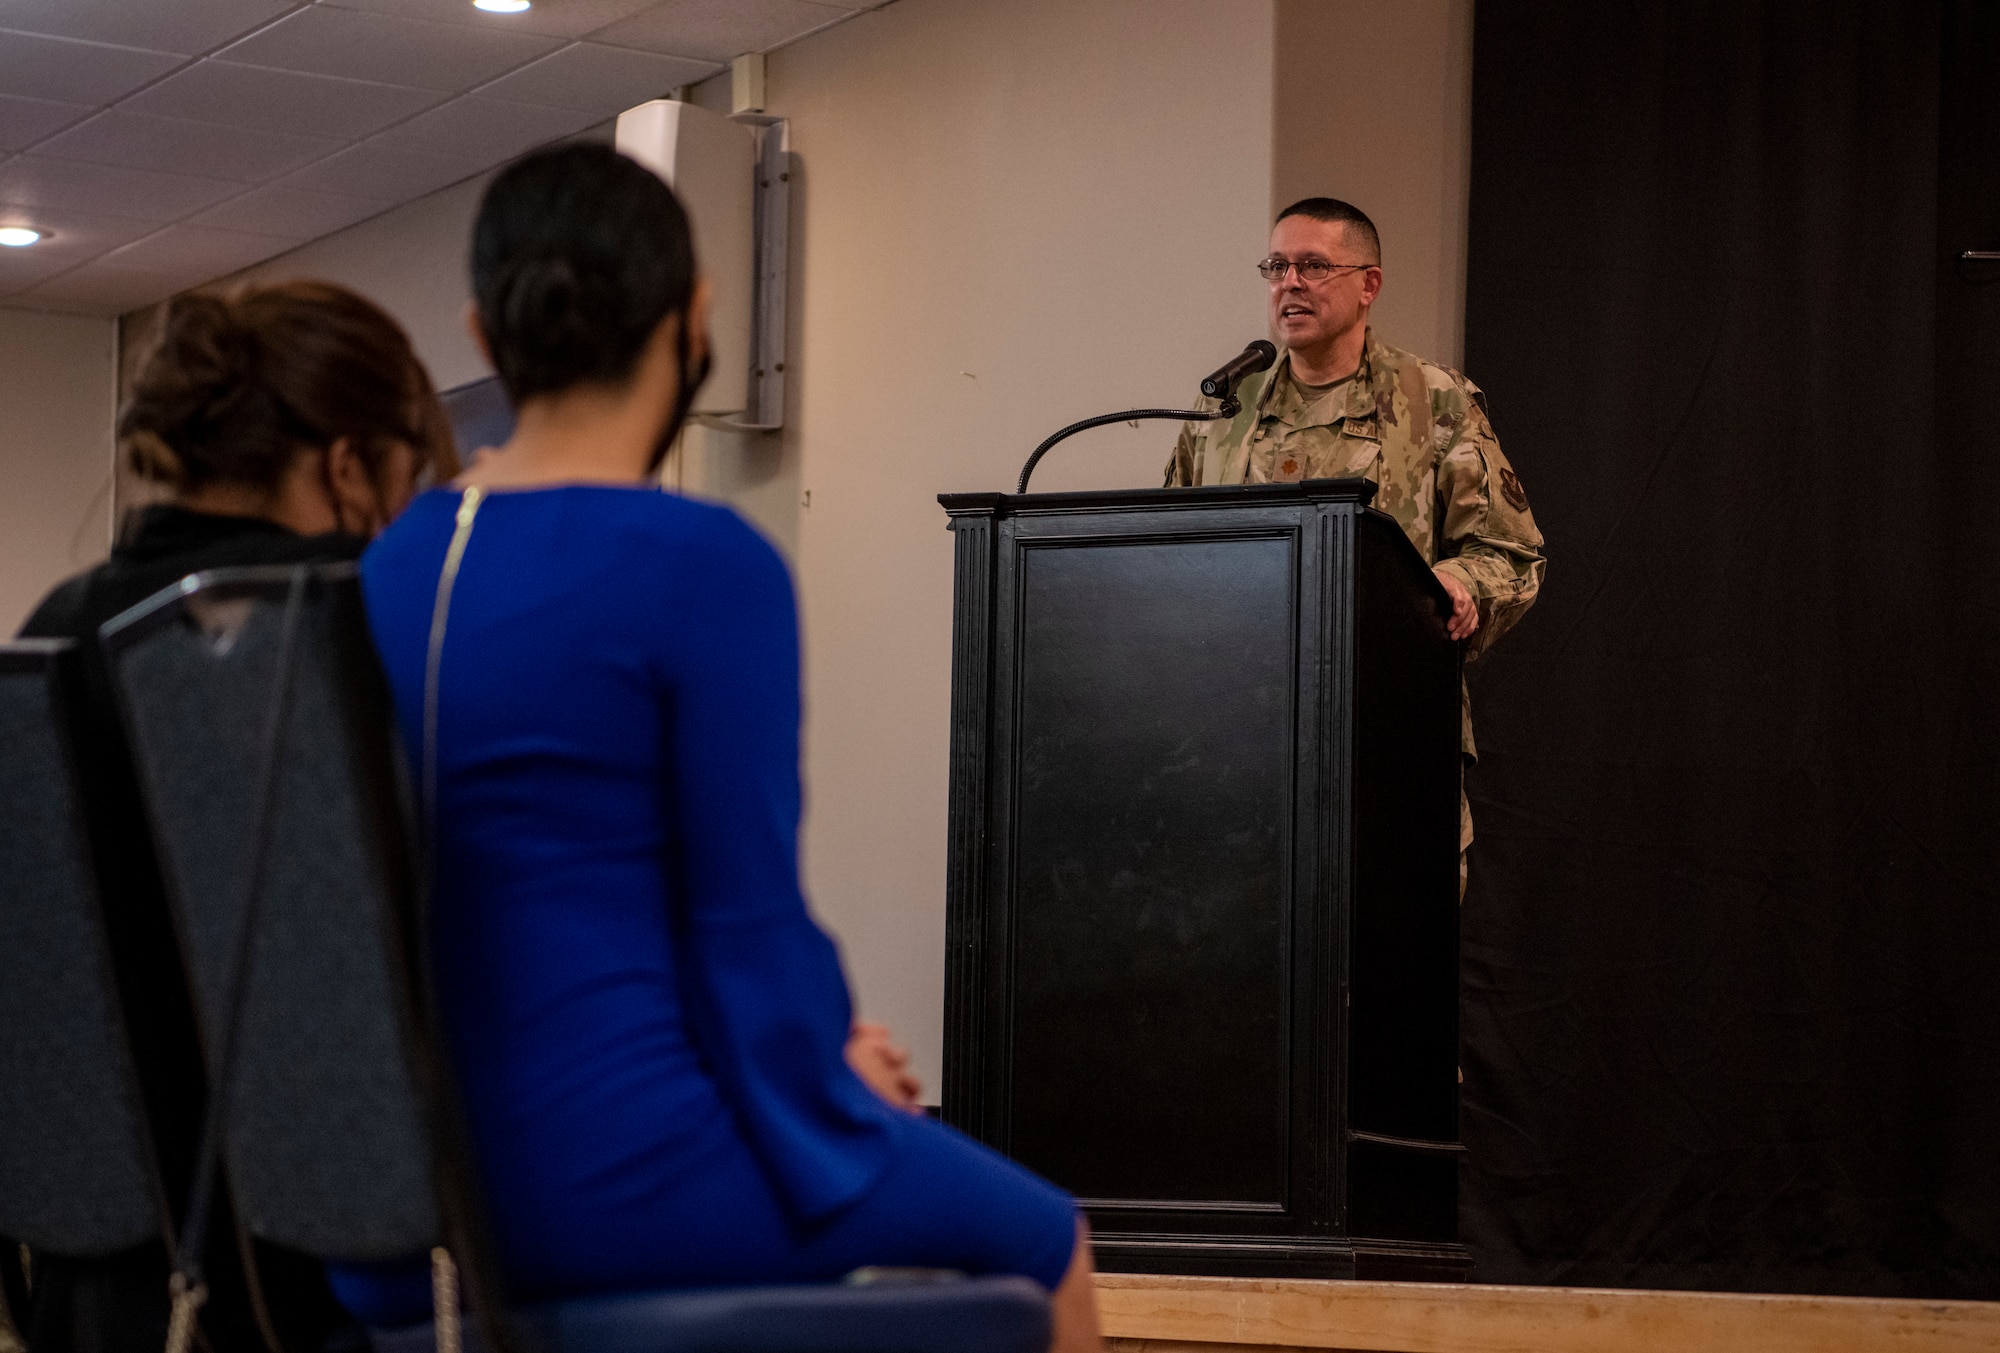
(1255, 357)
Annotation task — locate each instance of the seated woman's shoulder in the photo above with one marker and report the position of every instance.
(61, 614)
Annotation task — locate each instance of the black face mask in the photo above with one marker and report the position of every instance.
(692, 376)
(333, 501)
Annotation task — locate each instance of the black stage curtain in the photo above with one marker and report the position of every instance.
(1732, 944)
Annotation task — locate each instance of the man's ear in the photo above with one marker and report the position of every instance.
(1371, 285)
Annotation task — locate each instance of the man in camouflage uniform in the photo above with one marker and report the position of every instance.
(1340, 403)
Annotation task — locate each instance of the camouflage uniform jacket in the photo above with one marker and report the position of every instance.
(1419, 431)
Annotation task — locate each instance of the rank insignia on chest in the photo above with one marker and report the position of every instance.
(1289, 470)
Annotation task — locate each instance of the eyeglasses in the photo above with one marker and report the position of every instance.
(1310, 269)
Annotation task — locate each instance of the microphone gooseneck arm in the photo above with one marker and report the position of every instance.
(1230, 408)
(1221, 384)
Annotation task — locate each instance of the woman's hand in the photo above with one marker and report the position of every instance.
(882, 1066)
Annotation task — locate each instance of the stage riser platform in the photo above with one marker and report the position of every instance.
(1145, 1314)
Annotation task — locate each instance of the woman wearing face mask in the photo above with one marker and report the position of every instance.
(289, 423)
(602, 682)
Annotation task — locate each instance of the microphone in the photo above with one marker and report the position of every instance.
(1223, 383)
(1222, 386)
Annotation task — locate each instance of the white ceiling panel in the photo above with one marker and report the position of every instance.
(288, 213)
(201, 251)
(721, 30)
(389, 49)
(558, 18)
(286, 101)
(73, 236)
(184, 27)
(384, 174)
(23, 268)
(26, 121)
(141, 194)
(97, 289)
(181, 147)
(487, 130)
(76, 72)
(599, 79)
(164, 143)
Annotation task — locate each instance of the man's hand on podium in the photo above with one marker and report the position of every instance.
(1464, 610)
(882, 1066)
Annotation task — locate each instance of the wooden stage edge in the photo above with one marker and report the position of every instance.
(1154, 1314)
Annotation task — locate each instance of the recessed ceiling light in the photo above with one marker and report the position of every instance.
(18, 237)
(500, 6)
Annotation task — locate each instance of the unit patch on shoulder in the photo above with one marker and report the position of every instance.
(1510, 487)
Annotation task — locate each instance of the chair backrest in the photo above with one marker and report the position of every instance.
(77, 1172)
(328, 1139)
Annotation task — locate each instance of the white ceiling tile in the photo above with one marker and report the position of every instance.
(383, 174)
(96, 289)
(23, 268)
(293, 83)
(77, 72)
(558, 18)
(186, 27)
(599, 79)
(197, 253)
(72, 236)
(487, 130)
(181, 147)
(388, 48)
(32, 302)
(288, 213)
(141, 194)
(286, 101)
(26, 121)
(720, 30)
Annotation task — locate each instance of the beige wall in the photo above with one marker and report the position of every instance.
(1012, 214)
(1374, 105)
(57, 386)
(412, 262)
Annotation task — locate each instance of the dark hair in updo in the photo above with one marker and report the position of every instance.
(577, 256)
(240, 382)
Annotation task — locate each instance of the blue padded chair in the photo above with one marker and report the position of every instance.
(261, 726)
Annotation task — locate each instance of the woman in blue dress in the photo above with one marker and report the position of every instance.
(648, 1027)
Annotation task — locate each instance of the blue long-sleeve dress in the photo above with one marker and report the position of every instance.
(646, 1023)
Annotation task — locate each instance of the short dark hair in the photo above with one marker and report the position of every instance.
(1336, 212)
(577, 256)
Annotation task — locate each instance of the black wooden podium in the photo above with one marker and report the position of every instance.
(1203, 897)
